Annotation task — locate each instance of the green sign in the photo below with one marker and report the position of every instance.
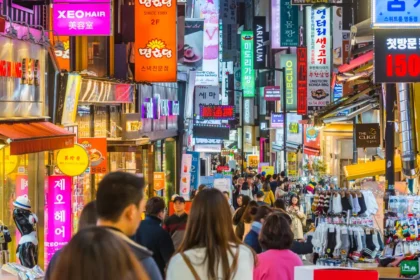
(289, 62)
(289, 27)
(409, 267)
(247, 63)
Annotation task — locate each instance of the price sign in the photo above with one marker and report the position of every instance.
(397, 56)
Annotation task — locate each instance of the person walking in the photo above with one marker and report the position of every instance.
(237, 220)
(248, 186)
(151, 235)
(276, 239)
(251, 239)
(210, 249)
(295, 211)
(119, 205)
(175, 225)
(226, 194)
(260, 196)
(97, 253)
(268, 194)
(248, 216)
(274, 183)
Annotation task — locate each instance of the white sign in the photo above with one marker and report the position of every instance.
(205, 95)
(318, 31)
(207, 141)
(206, 78)
(229, 29)
(249, 111)
(226, 70)
(337, 35)
(208, 148)
(222, 185)
(396, 13)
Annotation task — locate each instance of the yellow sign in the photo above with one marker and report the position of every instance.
(269, 170)
(73, 161)
(11, 162)
(158, 181)
(292, 164)
(253, 161)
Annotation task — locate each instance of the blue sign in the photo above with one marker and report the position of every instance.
(208, 181)
(277, 120)
(396, 13)
(338, 93)
(195, 169)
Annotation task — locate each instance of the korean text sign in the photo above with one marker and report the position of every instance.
(97, 149)
(289, 27)
(218, 112)
(396, 13)
(319, 41)
(302, 68)
(247, 63)
(397, 56)
(59, 214)
(205, 95)
(288, 62)
(82, 19)
(155, 41)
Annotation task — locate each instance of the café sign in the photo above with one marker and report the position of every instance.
(368, 135)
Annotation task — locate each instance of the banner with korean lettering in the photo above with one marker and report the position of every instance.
(229, 29)
(205, 95)
(97, 149)
(318, 32)
(275, 24)
(289, 26)
(247, 64)
(392, 14)
(155, 41)
(58, 209)
(195, 169)
(302, 95)
(288, 62)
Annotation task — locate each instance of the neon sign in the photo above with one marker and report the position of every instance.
(218, 112)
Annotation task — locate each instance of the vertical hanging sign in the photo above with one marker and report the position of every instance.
(318, 28)
(302, 64)
(155, 41)
(289, 27)
(288, 62)
(275, 24)
(260, 50)
(228, 17)
(247, 64)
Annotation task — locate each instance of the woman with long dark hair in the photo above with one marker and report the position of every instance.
(210, 249)
(96, 253)
(251, 239)
(238, 222)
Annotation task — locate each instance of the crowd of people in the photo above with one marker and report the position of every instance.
(251, 236)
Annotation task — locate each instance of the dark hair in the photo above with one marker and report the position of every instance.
(209, 227)
(279, 204)
(249, 176)
(93, 248)
(245, 200)
(258, 176)
(201, 187)
(283, 174)
(275, 176)
(266, 186)
(260, 194)
(262, 213)
(291, 198)
(267, 178)
(250, 211)
(88, 216)
(236, 177)
(285, 215)
(154, 206)
(226, 192)
(276, 232)
(116, 192)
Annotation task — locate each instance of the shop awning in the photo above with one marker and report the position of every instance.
(311, 151)
(35, 136)
(369, 169)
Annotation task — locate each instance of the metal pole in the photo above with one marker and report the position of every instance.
(283, 70)
(243, 131)
(390, 100)
(355, 154)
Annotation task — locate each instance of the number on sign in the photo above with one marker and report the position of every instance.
(400, 65)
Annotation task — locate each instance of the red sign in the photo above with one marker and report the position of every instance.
(217, 112)
(222, 168)
(302, 66)
(272, 93)
(97, 149)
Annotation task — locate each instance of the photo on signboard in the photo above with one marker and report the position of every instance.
(193, 44)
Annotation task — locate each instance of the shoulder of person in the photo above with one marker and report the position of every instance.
(151, 268)
(246, 251)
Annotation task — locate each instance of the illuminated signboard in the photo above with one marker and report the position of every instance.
(289, 26)
(302, 65)
(311, 2)
(319, 41)
(260, 50)
(275, 26)
(397, 56)
(147, 109)
(220, 112)
(173, 108)
(164, 107)
(277, 120)
(272, 93)
(395, 13)
(247, 63)
(288, 62)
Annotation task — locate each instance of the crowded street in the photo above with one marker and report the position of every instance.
(209, 139)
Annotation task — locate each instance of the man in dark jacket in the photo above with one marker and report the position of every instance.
(119, 205)
(176, 224)
(151, 234)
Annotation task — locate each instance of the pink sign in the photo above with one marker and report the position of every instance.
(58, 214)
(82, 19)
(21, 189)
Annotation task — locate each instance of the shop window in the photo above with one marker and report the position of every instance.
(97, 55)
(100, 121)
(83, 121)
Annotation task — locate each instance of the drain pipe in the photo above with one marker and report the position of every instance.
(408, 135)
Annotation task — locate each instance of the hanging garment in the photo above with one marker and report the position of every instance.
(362, 204)
(356, 204)
(337, 206)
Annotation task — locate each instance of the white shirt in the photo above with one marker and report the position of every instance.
(178, 269)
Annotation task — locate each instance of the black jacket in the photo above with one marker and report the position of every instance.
(151, 235)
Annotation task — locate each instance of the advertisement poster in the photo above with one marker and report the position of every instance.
(269, 170)
(289, 26)
(253, 161)
(82, 20)
(338, 52)
(97, 149)
(155, 41)
(205, 95)
(71, 99)
(195, 169)
(289, 62)
(73, 161)
(193, 44)
(319, 57)
(185, 184)
(58, 208)
(291, 164)
(247, 64)
(159, 181)
(211, 41)
(261, 164)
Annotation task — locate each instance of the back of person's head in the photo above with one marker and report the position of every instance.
(155, 206)
(250, 211)
(279, 204)
(88, 216)
(283, 174)
(209, 226)
(262, 213)
(275, 176)
(266, 186)
(119, 201)
(96, 253)
(201, 187)
(267, 178)
(245, 200)
(258, 176)
(276, 232)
